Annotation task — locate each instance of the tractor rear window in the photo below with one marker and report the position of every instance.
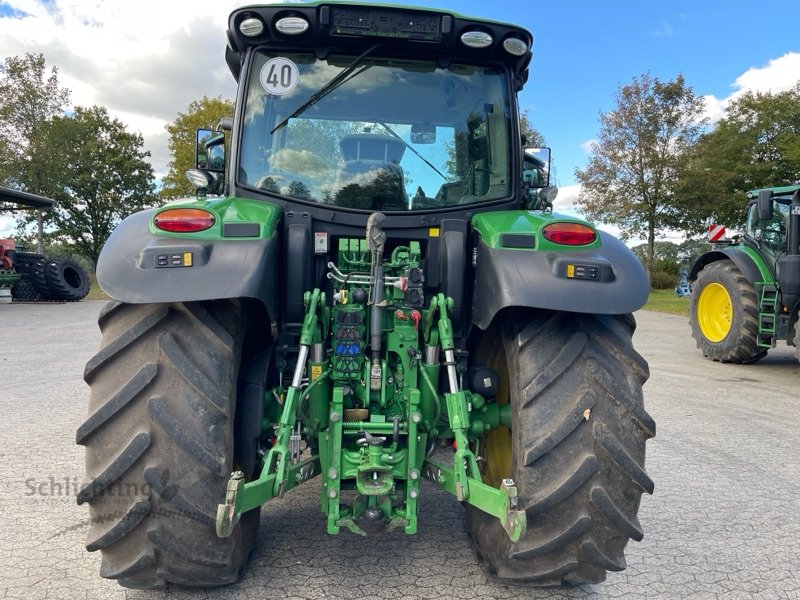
(376, 134)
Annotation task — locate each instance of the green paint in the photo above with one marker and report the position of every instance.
(759, 262)
(226, 210)
(492, 225)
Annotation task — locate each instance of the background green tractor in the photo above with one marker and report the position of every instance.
(371, 289)
(746, 293)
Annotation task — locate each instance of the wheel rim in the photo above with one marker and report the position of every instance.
(496, 453)
(714, 312)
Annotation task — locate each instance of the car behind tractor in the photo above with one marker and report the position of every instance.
(371, 289)
(746, 291)
(30, 276)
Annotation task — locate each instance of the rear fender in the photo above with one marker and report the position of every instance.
(212, 265)
(750, 268)
(605, 278)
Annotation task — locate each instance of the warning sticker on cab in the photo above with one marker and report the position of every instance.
(279, 76)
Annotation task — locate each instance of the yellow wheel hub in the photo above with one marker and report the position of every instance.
(496, 445)
(714, 312)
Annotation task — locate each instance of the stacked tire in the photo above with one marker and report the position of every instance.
(57, 278)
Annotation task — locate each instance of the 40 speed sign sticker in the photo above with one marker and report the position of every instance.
(279, 76)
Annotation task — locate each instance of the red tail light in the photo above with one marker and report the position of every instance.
(184, 220)
(569, 234)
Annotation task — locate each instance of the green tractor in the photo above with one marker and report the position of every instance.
(371, 289)
(746, 292)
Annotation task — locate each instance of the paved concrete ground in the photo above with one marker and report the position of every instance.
(723, 522)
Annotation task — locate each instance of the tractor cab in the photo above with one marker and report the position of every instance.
(773, 227)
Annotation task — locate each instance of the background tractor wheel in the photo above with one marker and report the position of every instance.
(723, 314)
(38, 274)
(66, 279)
(24, 261)
(24, 289)
(576, 449)
(160, 444)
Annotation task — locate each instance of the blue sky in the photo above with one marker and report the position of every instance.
(584, 51)
(147, 60)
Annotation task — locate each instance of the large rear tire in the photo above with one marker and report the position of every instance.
(160, 444)
(723, 314)
(576, 449)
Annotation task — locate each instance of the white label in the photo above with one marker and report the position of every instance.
(320, 242)
(279, 76)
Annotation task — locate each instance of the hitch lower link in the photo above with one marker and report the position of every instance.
(281, 471)
(464, 479)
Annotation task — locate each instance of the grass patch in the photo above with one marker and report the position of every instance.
(667, 302)
(95, 293)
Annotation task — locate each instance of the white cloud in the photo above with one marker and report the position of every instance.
(588, 145)
(779, 75)
(6, 226)
(567, 196)
(145, 61)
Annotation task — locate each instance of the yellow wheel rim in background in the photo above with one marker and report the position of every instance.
(714, 312)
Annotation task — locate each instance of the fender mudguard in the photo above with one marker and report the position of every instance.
(608, 280)
(130, 268)
(752, 271)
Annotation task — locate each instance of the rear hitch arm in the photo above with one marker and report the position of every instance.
(279, 473)
(464, 479)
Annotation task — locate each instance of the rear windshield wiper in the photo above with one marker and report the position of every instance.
(326, 89)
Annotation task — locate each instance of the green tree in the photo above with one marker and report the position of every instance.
(102, 174)
(690, 250)
(200, 114)
(530, 134)
(29, 99)
(632, 173)
(298, 189)
(665, 256)
(755, 145)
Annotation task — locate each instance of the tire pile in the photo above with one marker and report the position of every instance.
(56, 278)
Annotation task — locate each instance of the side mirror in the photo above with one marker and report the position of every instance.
(536, 167)
(765, 208)
(210, 150)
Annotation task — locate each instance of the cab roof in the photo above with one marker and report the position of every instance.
(351, 27)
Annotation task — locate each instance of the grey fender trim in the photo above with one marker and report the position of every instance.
(126, 269)
(740, 259)
(537, 279)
